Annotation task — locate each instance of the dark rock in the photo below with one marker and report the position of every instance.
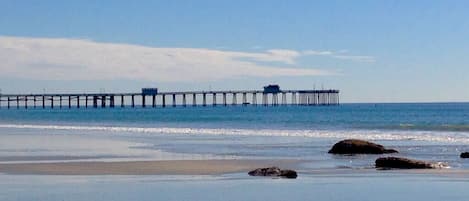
(354, 146)
(465, 155)
(273, 172)
(291, 174)
(404, 163)
(270, 171)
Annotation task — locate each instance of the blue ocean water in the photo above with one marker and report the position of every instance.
(412, 116)
(431, 131)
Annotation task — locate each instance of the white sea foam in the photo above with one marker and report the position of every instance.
(433, 136)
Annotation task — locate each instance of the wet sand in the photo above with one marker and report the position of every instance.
(169, 167)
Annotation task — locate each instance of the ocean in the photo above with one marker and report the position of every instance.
(428, 131)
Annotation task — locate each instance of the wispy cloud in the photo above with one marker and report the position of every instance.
(78, 59)
(355, 58)
(341, 54)
(315, 52)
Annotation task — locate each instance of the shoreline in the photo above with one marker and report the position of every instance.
(164, 167)
(200, 167)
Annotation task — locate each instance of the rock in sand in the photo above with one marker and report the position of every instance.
(404, 163)
(274, 172)
(465, 155)
(354, 146)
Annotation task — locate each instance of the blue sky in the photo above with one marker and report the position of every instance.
(373, 51)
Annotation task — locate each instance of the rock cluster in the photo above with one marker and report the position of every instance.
(355, 146)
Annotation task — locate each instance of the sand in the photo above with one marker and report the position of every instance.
(169, 167)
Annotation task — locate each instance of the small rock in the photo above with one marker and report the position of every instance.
(465, 155)
(273, 172)
(354, 146)
(404, 163)
(270, 171)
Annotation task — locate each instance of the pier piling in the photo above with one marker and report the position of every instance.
(174, 100)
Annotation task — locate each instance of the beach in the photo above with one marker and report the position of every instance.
(173, 167)
(201, 154)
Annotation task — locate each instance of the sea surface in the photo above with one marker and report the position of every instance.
(428, 131)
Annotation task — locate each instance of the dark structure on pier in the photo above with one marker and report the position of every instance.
(269, 96)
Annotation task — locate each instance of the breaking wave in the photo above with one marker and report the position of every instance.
(433, 136)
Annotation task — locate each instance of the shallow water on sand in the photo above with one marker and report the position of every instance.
(353, 187)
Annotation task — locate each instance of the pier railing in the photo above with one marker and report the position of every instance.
(165, 99)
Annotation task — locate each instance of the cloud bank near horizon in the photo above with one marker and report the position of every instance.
(80, 59)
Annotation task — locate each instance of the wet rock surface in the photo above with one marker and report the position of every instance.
(355, 146)
(464, 155)
(405, 163)
(274, 172)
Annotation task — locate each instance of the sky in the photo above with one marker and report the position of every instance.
(372, 51)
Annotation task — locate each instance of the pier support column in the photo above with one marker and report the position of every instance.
(111, 101)
(133, 100)
(8, 102)
(163, 100)
(34, 100)
(293, 98)
(204, 99)
(245, 99)
(234, 99)
(184, 100)
(323, 98)
(300, 98)
(265, 98)
(254, 98)
(52, 102)
(78, 101)
(143, 101)
(103, 101)
(153, 101)
(214, 101)
(95, 101)
(224, 99)
(174, 100)
(274, 99)
(86, 101)
(69, 101)
(60, 101)
(284, 98)
(319, 99)
(335, 98)
(26, 102)
(17, 102)
(122, 101)
(194, 99)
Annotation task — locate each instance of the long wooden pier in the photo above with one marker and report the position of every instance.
(164, 99)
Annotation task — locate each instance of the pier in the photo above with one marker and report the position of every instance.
(151, 97)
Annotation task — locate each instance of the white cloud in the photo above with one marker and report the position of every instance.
(341, 54)
(314, 52)
(78, 59)
(355, 58)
